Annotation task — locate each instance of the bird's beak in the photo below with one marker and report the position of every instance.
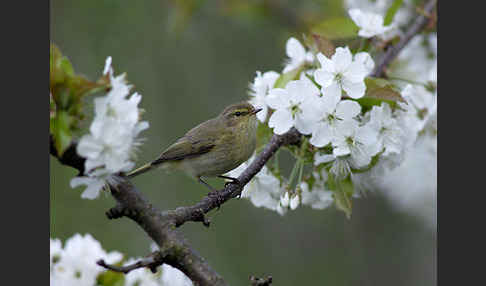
(257, 110)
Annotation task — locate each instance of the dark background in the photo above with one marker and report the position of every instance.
(188, 71)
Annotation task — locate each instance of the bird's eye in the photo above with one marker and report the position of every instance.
(238, 113)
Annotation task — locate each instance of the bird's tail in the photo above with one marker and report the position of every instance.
(145, 168)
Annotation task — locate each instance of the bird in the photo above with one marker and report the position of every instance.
(212, 148)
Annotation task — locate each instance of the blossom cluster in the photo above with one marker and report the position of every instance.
(110, 145)
(368, 15)
(75, 264)
(352, 146)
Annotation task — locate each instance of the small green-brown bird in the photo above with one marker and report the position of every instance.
(212, 148)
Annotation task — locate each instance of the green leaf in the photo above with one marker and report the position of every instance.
(392, 11)
(342, 193)
(284, 78)
(379, 90)
(56, 74)
(111, 278)
(336, 28)
(66, 92)
(66, 67)
(60, 129)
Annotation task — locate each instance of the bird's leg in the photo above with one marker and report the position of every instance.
(213, 190)
(213, 193)
(233, 181)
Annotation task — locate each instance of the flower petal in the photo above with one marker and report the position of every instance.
(89, 147)
(278, 98)
(326, 63)
(281, 121)
(324, 158)
(342, 58)
(331, 97)
(341, 150)
(322, 135)
(356, 72)
(354, 90)
(348, 109)
(366, 60)
(296, 91)
(294, 202)
(304, 123)
(323, 78)
(366, 135)
(295, 50)
(360, 158)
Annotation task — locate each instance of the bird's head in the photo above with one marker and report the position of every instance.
(240, 114)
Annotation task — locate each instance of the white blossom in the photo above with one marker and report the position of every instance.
(390, 134)
(365, 59)
(94, 186)
(420, 106)
(343, 70)
(174, 277)
(285, 200)
(141, 276)
(111, 143)
(317, 198)
(402, 16)
(340, 167)
(294, 202)
(370, 24)
(259, 90)
(353, 147)
(293, 107)
(77, 263)
(297, 55)
(331, 111)
(358, 142)
(55, 250)
(108, 70)
(264, 188)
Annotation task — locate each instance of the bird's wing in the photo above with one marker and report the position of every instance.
(197, 141)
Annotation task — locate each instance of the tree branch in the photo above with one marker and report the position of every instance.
(193, 213)
(160, 226)
(417, 26)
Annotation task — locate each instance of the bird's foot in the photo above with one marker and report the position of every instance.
(233, 181)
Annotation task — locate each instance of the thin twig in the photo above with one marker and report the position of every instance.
(418, 25)
(151, 262)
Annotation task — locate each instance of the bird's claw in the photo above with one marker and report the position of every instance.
(234, 182)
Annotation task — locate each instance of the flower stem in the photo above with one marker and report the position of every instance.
(295, 169)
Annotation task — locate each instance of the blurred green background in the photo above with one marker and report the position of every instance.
(189, 59)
